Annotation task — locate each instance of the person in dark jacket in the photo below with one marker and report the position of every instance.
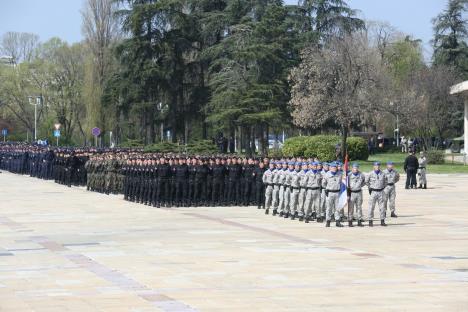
(411, 168)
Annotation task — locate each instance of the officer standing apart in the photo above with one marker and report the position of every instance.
(422, 170)
(390, 191)
(411, 167)
(356, 181)
(376, 181)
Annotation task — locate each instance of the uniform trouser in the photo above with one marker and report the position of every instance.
(301, 201)
(163, 190)
(312, 202)
(293, 202)
(217, 194)
(233, 192)
(332, 205)
(355, 206)
(200, 191)
(281, 197)
(180, 191)
(246, 192)
(259, 194)
(287, 199)
(389, 197)
(274, 196)
(376, 198)
(191, 191)
(269, 191)
(422, 176)
(323, 203)
(410, 177)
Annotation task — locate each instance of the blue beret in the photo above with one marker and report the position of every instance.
(297, 163)
(390, 163)
(291, 163)
(318, 163)
(314, 163)
(333, 164)
(377, 163)
(326, 164)
(355, 165)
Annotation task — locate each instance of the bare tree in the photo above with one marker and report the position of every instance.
(20, 46)
(100, 28)
(335, 84)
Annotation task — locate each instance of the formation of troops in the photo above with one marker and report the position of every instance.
(295, 188)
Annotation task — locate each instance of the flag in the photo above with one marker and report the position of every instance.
(343, 199)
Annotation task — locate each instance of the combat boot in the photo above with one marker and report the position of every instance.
(338, 224)
(382, 223)
(301, 218)
(275, 212)
(420, 186)
(350, 223)
(307, 220)
(328, 224)
(267, 211)
(293, 216)
(371, 223)
(359, 223)
(314, 215)
(281, 214)
(286, 215)
(425, 186)
(393, 215)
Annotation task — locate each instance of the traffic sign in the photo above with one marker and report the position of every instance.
(57, 133)
(5, 132)
(96, 131)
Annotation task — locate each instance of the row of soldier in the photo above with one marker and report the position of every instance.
(292, 188)
(311, 191)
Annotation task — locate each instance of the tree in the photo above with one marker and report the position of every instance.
(249, 73)
(450, 34)
(100, 28)
(335, 85)
(326, 19)
(20, 46)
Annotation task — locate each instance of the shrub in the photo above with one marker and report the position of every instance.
(295, 146)
(163, 147)
(202, 147)
(435, 157)
(132, 143)
(357, 148)
(324, 147)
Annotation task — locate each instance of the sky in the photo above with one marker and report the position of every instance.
(62, 18)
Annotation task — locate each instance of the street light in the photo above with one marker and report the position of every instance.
(38, 102)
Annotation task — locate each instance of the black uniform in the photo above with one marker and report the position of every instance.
(411, 168)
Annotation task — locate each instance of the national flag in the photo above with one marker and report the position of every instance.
(343, 199)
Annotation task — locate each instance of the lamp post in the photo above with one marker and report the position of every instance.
(35, 103)
(57, 134)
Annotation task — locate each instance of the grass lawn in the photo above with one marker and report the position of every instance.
(399, 159)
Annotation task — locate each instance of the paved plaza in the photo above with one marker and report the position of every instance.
(65, 249)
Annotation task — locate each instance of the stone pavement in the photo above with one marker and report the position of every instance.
(71, 250)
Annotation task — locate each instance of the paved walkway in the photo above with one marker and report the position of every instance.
(70, 250)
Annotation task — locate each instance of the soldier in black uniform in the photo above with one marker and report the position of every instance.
(181, 174)
(164, 180)
(247, 180)
(201, 176)
(192, 169)
(235, 171)
(219, 175)
(259, 185)
(411, 168)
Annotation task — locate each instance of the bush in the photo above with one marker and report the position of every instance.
(163, 147)
(132, 143)
(435, 157)
(357, 148)
(202, 147)
(324, 147)
(295, 146)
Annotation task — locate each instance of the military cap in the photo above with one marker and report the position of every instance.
(355, 165)
(390, 162)
(377, 163)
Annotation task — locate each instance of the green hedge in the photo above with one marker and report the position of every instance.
(324, 147)
(435, 157)
(203, 147)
